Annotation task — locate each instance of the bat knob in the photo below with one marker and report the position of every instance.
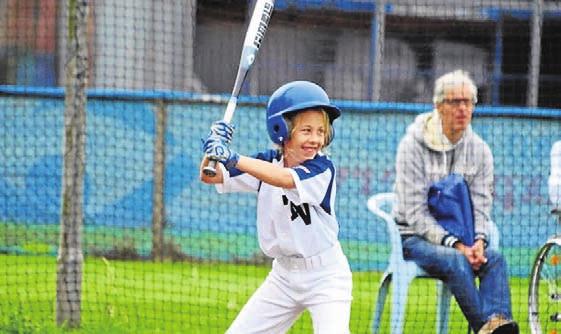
(210, 170)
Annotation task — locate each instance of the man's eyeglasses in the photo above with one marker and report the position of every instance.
(459, 102)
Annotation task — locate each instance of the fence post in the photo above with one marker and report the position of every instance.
(70, 257)
(535, 52)
(377, 39)
(497, 62)
(158, 207)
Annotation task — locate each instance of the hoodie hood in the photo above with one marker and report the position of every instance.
(427, 129)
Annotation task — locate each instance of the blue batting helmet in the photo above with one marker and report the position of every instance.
(295, 96)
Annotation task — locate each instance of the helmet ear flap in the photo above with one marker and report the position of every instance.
(278, 129)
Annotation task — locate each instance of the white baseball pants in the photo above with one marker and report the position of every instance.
(321, 284)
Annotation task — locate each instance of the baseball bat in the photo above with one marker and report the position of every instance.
(252, 42)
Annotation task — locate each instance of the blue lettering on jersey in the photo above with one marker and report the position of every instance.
(302, 211)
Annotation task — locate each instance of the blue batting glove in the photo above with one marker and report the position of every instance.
(223, 130)
(218, 150)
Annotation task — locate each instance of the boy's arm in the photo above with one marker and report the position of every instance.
(264, 171)
(267, 172)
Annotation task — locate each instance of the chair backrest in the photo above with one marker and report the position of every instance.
(382, 204)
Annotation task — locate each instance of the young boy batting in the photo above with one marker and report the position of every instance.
(296, 223)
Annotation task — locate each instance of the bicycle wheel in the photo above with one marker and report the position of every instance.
(544, 303)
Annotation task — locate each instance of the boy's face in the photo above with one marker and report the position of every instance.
(307, 138)
(456, 111)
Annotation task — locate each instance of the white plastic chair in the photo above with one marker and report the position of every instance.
(402, 273)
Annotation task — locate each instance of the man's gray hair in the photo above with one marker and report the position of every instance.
(450, 80)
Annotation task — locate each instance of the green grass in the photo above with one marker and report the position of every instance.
(184, 297)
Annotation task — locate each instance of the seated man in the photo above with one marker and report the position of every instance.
(437, 144)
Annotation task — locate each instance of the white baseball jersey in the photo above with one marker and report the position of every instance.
(297, 222)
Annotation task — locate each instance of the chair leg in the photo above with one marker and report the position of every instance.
(443, 312)
(400, 293)
(380, 301)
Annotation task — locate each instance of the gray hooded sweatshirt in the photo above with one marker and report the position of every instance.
(424, 156)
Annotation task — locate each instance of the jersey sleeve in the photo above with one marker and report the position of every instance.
(238, 181)
(315, 183)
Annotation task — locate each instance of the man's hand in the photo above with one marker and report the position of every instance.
(463, 249)
(479, 254)
(218, 150)
(474, 254)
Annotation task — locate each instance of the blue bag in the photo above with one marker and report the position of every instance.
(449, 202)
